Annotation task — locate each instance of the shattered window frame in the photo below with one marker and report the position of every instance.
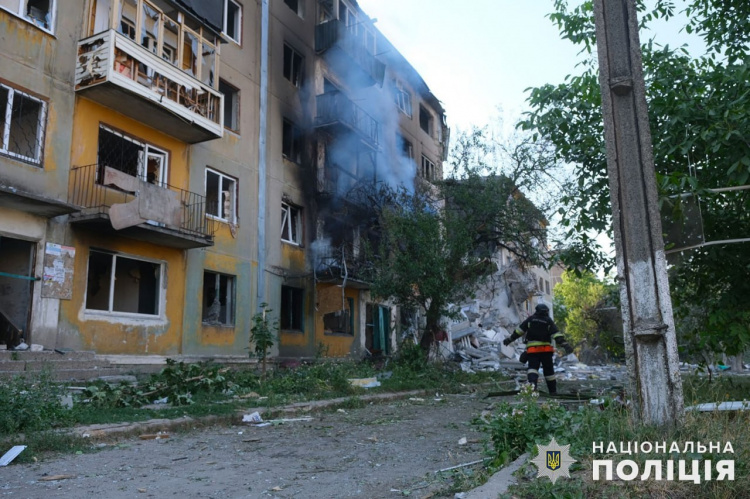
(294, 61)
(30, 11)
(12, 111)
(426, 120)
(292, 309)
(220, 212)
(291, 224)
(118, 279)
(236, 26)
(427, 171)
(291, 142)
(219, 303)
(403, 99)
(231, 105)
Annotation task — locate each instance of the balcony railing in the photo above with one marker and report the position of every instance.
(186, 108)
(172, 211)
(335, 34)
(334, 108)
(343, 262)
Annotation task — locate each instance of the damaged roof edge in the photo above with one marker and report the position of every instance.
(208, 12)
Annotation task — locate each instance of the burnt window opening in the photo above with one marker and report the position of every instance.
(231, 105)
(218, 299)
(117, 283)
(131, 157)
(407, 149)
(425, 120)
(340, 321)
(291, 224)
(292, 307)
(22, 125)
(292, 65)
(427, 171)
(292, 142)
(221, 196)
(233, 20)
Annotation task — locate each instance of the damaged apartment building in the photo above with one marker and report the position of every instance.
(167, 166)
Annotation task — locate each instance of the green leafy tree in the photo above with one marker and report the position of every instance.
(586, 310)
(699, 110)
(263, 334)
(435, 243)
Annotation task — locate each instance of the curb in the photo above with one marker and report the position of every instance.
(110, 431)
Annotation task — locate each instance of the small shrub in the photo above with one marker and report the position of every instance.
(30, 404)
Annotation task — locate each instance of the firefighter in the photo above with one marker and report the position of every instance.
(540, 330)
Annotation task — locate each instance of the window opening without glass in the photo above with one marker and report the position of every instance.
(118, 283)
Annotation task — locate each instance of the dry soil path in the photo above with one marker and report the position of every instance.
(383, 450)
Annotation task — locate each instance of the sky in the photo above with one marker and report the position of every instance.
(476, 55)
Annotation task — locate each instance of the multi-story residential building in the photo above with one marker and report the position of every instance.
(189, 160)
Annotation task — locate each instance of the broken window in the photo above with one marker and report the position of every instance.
(407, 149)
(117, 283)
(292, 65)
(291, 142)
(546, 286)
(291, 224)
(233, 20)
(150, 27)
(340, 321)
(22, 125)
(128, 17)
(221, 196)
(291, 309)
(218, 299)
(427, 171)
(131, 156)
(403, 99)
(38, 12)
(295, 5)
(231, 105)
(425, 120)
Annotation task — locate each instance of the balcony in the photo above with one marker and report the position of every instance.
(117, 72)
(345, 52)
(335, 110)
(115, 202)
(344, 263)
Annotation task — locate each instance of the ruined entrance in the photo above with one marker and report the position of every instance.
(16, 288)
(378, 330)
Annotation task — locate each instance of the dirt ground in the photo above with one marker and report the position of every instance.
(382, 450)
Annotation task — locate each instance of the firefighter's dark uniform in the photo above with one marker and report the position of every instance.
(540, 330)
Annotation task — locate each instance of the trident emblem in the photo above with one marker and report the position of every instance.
(553, 459)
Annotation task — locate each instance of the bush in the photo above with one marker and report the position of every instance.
(30, 404)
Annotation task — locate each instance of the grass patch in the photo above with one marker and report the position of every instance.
(518, 426)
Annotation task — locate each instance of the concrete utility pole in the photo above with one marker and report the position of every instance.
(650, 342)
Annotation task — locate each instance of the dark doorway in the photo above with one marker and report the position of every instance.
(378, 330)
(16, 288)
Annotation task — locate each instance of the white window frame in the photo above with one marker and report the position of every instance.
(403, 100)
(295, 54)
(113, 281)
(427, 171)
(233, 216)
(148, 150)
(291, 222)
(7, 115)
(21, 12)
(237, 24)
(230, 299)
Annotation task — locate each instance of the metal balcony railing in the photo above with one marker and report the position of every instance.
(335, 108)
(87, 191)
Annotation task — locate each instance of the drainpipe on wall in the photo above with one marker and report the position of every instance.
(263, 127)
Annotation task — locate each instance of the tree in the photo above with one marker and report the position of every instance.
(435, 242)
(699, 110)
(584, 307)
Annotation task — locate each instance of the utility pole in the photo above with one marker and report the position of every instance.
(648, 325)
